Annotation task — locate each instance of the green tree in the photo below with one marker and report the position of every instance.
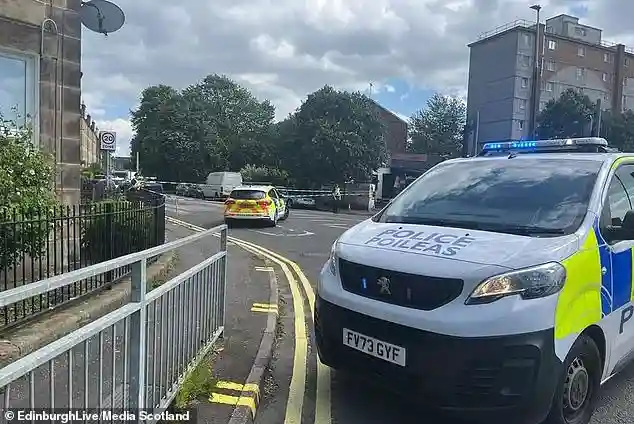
(213, 125)
(439, 128)
(264, 174)
(569, 116)
(334, 136)
(26, 193)
(618, 129)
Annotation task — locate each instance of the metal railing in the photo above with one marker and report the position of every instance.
(35, 245)
(135, 357)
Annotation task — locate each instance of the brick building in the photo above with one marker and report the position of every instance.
(574, 55)
(40, 76)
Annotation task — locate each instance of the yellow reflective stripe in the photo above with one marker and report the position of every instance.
(579, 303)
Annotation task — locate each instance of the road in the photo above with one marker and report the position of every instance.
(306, 238)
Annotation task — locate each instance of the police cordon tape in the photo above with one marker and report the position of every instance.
(291, 192)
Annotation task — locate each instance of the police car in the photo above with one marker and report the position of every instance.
(497, 287)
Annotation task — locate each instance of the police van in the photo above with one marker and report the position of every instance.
(497, 287)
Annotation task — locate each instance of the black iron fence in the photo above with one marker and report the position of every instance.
(35, 245)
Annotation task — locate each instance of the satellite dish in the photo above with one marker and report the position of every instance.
(101, 16)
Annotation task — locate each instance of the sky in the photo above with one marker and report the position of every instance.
(284, 49)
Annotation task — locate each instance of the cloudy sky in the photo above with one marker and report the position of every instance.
(284, 49)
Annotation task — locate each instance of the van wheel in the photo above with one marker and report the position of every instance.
(575, 398)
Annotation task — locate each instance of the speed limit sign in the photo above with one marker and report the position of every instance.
(108, 140)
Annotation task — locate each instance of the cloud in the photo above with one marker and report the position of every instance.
(123, 129)
(284, 49)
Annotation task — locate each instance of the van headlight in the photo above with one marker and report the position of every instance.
(333, 259)
(529, 283)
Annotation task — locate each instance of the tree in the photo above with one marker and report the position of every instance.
(264, 174)
(439, 128)
(570, 115)
(618, 129)
(26, 194)
(213, 125)
(334, 136)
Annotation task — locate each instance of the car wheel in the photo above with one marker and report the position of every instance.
(287, 212)
(575, 398)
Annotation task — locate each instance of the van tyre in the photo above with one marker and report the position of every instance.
(576, 395)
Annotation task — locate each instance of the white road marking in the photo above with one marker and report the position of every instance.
(266, 233)
(339, 227)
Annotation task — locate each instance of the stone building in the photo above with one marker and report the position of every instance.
(40, 78)
(89, 135)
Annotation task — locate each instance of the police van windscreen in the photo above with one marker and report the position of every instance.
(524, 195)
(247, 195)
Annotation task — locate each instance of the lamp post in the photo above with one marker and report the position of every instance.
(536, 77)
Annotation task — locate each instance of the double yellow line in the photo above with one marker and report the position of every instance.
(297, 388)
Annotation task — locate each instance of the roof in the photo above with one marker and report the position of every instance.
(254, 187)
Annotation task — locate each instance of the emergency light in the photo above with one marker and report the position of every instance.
(586, 144)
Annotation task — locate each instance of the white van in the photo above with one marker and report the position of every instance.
(220, 184)
(498, 287)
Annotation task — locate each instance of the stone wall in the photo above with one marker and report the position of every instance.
(89, 139)
(59, 52)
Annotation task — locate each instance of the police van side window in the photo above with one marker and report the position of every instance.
(614, 210)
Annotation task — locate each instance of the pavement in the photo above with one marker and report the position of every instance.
(319, 396)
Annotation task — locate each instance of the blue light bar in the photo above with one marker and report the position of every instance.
(537, 144)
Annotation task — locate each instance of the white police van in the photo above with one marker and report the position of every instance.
(497, 287)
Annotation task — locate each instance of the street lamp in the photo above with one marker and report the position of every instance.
(536, 76)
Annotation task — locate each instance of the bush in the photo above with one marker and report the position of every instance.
(114, 228)
(262, 174)
(26, 194)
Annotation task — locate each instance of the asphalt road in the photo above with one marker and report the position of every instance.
(306, 238)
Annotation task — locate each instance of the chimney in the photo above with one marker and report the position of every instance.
(83, 110)
(92, 125)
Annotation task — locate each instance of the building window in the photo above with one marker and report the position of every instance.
(552, 44)
(605, 77)
(520, 125)
(524, 82)
(580, 74)
(606, 97)
(581, 51)
(525, 60)
(522, 104)
(580, 31)
(527, 40)
(549, 29)
(19, 89)
(625, 82)
(550, 66)
(606, 57)
(542, 105)
(550, 86)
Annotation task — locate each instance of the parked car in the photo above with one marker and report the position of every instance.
(182, 189)
(196, 191)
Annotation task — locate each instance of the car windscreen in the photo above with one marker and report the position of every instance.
(527, 196)
(247, 194)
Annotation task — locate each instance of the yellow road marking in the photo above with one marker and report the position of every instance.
(297, 388)
(247, 401)
(298, 379)
(229, 385)
(265, 305)
(265, 310)
(323, 414)
(264, 268)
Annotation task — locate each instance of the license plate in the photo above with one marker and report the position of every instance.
(374, 347)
